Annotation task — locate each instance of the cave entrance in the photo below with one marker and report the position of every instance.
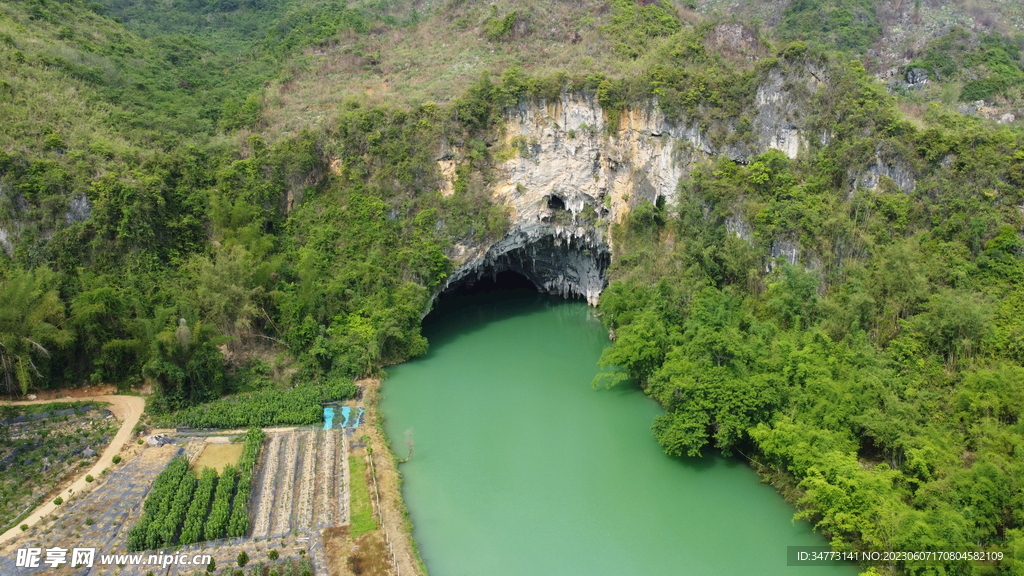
(556, 203)
(505, 281)
(570, 266)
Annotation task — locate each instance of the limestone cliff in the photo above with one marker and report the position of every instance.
(566, 178)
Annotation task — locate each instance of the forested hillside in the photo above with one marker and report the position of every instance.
(211, 198)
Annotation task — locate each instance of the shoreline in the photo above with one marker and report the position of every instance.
(394, 515)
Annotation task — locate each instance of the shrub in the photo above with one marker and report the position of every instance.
(298, 406)
(58, 500)
(89, 478)
(500, 28)
(632, 27)
(273, 555)
(117, 459)
(243, 559)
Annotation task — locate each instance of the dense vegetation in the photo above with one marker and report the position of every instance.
(876, 378)
(145, 246)
(847, 25)
(181, 509)
(243, 198)
(298, 406)
(988, 64)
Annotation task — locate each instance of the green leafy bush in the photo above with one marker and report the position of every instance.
(845, 25)
(269, 407)
(500, 28)
(634, 28)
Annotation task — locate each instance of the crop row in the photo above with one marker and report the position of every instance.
(183, 510)
(239, 523)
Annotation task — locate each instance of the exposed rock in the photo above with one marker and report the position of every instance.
(158, 440)
(916, 77)
(734, 40)
(5, 242)
(78, 210)
(788, 249)
(892, 168)
(776, 117)
(567, 262)
(737, 226)
(447, 168)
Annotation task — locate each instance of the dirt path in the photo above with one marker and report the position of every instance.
(128, 409)
(392, 507)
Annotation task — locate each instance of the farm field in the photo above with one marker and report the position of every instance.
(43, 444)
(99, 518)
(297, 489)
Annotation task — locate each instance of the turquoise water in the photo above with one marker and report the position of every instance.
(328, 418)
(522, 468)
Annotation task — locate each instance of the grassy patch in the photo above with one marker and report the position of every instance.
(359, 498)
(218, 456)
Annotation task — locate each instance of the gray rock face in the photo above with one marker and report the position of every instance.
(891, 167)
(568, 178)
(79, 210)
(917, 77)
(784, 248)
(5, 242)
(568, 262)
(777, 114)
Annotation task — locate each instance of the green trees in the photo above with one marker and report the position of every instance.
(30, 325)
(633, 27)
(846, 26)
(179, 504)
(186, 365)
(101, 319)
(183, 510)
(876, 379)
(238, 524)
(147, 532)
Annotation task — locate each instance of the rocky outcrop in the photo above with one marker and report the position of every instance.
(564, 261)
(568, 178)
(79, 210)
(889, 165)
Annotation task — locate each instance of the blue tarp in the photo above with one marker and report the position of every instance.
(346, 414)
